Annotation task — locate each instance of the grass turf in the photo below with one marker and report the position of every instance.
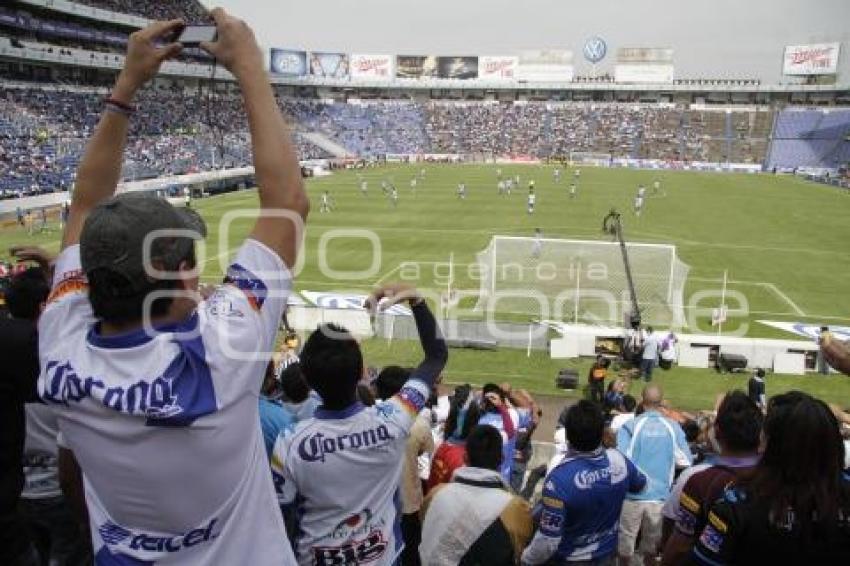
(782, 240)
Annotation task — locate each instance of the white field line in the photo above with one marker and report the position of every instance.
(784, 297)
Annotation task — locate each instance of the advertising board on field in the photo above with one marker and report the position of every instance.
(545, 65)
(331, 65)
(288, 62)
(815, 59)
(495, 68)
(367, 66)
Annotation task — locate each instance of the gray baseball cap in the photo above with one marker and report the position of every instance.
(114, 233)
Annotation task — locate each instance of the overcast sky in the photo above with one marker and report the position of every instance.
(707, 35)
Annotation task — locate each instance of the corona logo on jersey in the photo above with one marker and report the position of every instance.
(117, 536)
(314, 448)
(153, 399)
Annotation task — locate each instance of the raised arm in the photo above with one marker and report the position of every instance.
(283, 203)
(100, 168)
(433, 344)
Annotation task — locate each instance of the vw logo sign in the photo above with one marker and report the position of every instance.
(595, 49)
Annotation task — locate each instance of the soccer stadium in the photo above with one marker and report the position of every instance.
(618, 232)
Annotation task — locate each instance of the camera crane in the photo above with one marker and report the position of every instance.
(612, 225)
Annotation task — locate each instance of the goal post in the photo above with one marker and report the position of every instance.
(581, 280)
(590, 158)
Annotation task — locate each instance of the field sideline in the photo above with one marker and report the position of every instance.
(782, 240)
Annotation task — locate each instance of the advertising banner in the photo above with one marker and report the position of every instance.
(457, 67)
(365, 66)
(288, 62)
(416, 66)
(817, 59)
(493, 68)
(348, 301)
(546, 65)
(645, 55)
(331, 65)
(808, 330)
(643, 73)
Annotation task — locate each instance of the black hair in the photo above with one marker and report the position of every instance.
(739, 422)
(469, 418)
(584, 424)
(493, 388)
(629, 403)
(293, 384)
(114, 299)
(390, 381)
(800, 470)
(691, 429)
(484, 447)
(26, 292)
(332, 363)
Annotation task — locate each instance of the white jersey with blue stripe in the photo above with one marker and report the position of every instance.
(341, 470)
(165, 425)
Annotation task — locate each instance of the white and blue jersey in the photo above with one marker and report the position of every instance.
(165, 424)
(580, 508)
(341, 469)
(655, 444)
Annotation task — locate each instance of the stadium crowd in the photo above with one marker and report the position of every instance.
(146, 420)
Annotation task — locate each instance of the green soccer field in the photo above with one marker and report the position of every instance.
(783, 242)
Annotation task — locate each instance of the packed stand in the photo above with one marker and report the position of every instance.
(189, 10)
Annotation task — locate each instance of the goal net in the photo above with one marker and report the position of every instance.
(581, 280)
(590, 158)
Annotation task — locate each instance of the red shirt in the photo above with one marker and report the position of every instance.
(448, 457)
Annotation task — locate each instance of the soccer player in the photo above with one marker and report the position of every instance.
(342, 467)
(557, 174)
(413, 184)
(501, 186)
(577, 174)
(638, 204)
(499, 174)
(394, 196)
(461, 191)
(326, 202)
(573, 190)
(531, 185)
(537, 245)
(656, 186)
(156, 390)
(422, 173)
(364, 187)
(532, 199)
(641, 191)
(385, 187)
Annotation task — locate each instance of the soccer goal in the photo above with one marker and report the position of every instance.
(581, 280)
(590, 158)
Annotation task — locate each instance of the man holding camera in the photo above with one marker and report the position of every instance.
(155, 388)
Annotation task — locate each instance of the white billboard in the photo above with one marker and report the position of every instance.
(372, 66)
(493, 68)
(816, 59)
(643, 73)
(545, 65)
